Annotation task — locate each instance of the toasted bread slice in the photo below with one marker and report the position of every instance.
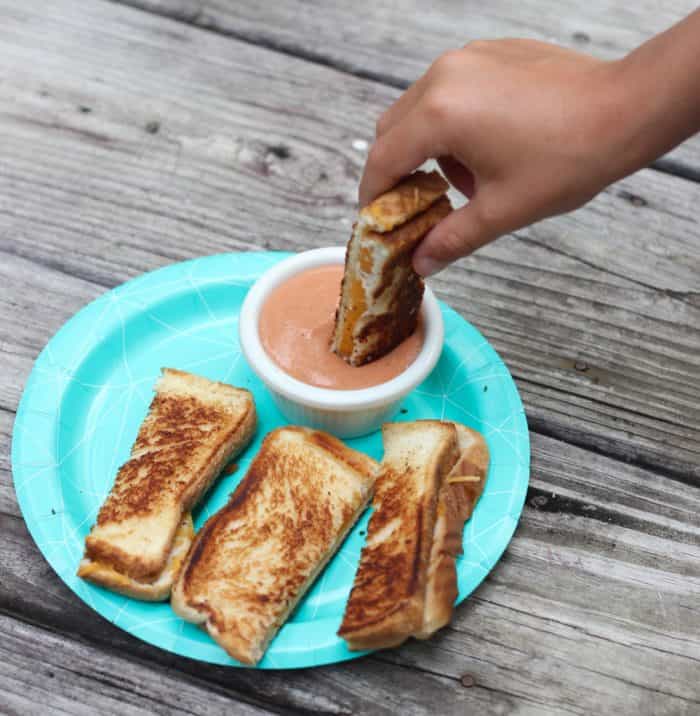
(381, 294)
(155, 591)
(458, 497)
(387, 601)
(409, 197)
(254, 559)
(193, 427)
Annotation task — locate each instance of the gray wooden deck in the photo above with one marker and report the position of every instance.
(134, 135)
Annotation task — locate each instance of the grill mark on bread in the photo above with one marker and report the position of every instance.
(396, 325)
(135, 502)
(238, 497)
(302, 492)
(385, 576)
(193, 427)
(387, 598)
(355, 460)
(177, 418)
(196, 551)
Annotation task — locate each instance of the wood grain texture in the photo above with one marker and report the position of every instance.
(41, 671)
(396, 42)
(254, 149)
(8, 501)
(594, 603)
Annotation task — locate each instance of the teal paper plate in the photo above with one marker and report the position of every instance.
(90, 389)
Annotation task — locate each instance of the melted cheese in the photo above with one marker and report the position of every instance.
(464, 478)
(357, 309)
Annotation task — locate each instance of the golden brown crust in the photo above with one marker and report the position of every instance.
(405, 237)
(156, 590)
(176, 428)
(357, 461)
(115, 582)
(101, 550)
(254, 559)
(387, 599)
(193, 428)
(380, 293)
(409, 197)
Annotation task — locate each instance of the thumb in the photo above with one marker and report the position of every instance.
(457, 235)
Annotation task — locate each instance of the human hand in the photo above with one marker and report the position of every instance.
(524, 129)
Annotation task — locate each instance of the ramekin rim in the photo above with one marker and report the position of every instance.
(277, 380)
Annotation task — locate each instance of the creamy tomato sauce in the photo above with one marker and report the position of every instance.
(296, 325)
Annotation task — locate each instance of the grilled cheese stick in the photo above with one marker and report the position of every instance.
(387, 601)
(254, 559)
(458, 497)
(381, 294)
(193, 427)
(155, 591)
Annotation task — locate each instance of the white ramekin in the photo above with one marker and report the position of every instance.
(344, 413)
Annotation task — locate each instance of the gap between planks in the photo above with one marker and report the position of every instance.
(193, 14)
(262, 690)
(146, 681)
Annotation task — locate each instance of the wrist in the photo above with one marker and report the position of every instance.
(659, 88)
(623, 118)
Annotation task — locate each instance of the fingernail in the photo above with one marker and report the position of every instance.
(426, 266)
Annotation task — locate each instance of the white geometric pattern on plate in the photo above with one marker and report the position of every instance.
(91, 387)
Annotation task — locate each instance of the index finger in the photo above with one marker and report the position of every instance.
(399, 151)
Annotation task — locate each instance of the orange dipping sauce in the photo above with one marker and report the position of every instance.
(296, 325)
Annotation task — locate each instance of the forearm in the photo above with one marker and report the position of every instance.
(660, 83)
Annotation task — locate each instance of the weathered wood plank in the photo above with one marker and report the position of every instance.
(257, 149)
(33, 306)
(395, 43)
(8, 501)
(42, 670)
(595, 603)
